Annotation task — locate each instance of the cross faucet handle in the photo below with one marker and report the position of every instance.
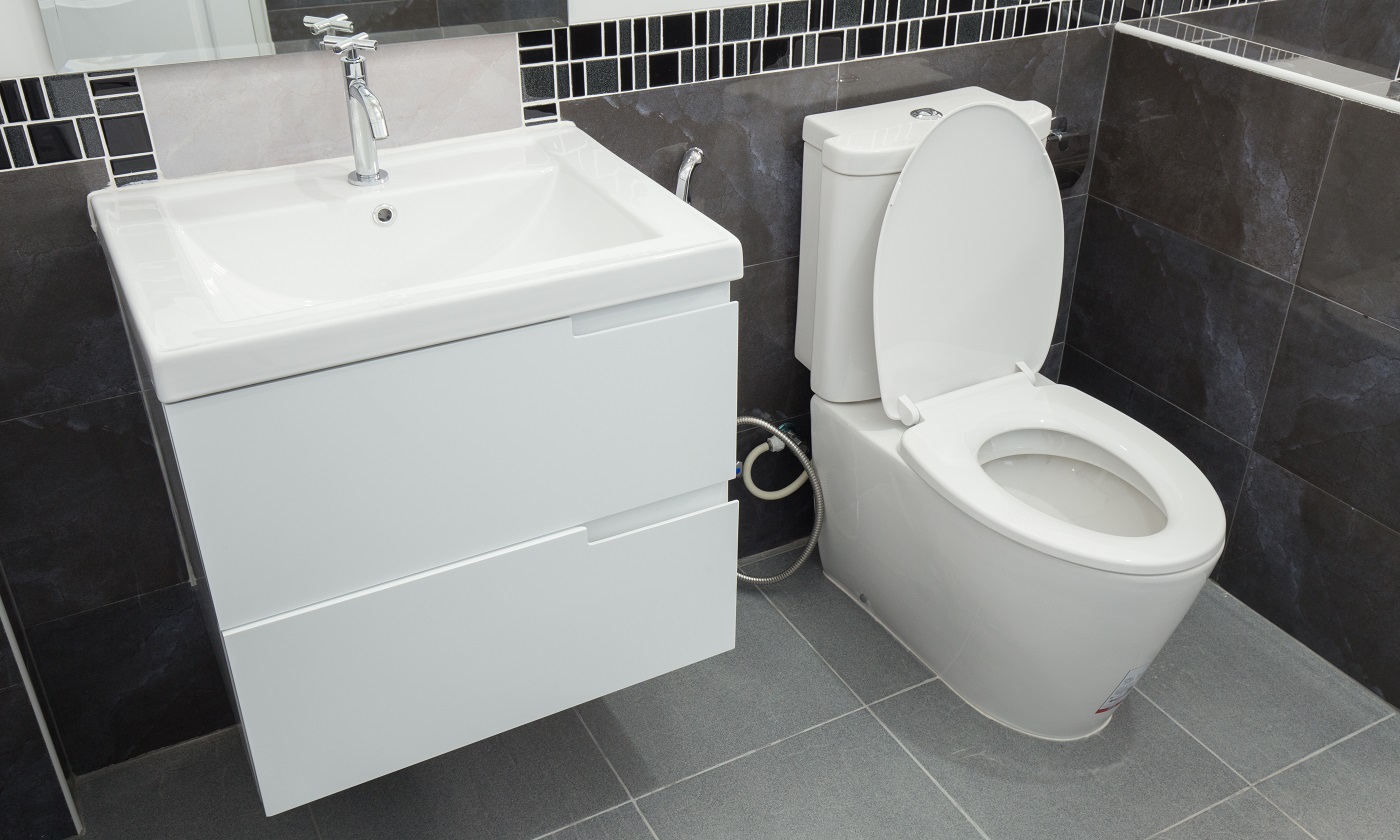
(320, 25)
(350, 44)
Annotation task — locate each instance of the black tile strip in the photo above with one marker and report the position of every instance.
(119, 105)
(126, 135)
(127, 180)
(4, 157)
(532, 112)
(111, 85)
(12, 102)
(19, 147)
(140, 163)
(68, 95)
(34, 99)
(55, 142)
(91, 137)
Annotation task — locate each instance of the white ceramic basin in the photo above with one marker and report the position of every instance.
(240, 278)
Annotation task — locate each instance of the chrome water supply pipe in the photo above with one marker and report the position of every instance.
(818, 503)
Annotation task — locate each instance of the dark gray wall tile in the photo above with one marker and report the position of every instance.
(467, 12)
(1054, 360)
(1021, 68)
(1232, 20)
(130, 677)
(1080, 99)
(61, 336)
(9, 668)
(31, 801)
(377, 18)
(770, 377)
(1074, 209)
(1221, 459)
(751, 131)
(1322, 571)
(1333, 413)
(1185, 322)
(1226, 156)
(1353, 252)
(84, 515)
(1362, 34)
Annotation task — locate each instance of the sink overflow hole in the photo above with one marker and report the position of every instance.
(385, 214)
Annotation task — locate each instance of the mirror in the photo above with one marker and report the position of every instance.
(104, 34)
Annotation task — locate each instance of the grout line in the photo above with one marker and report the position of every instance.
(749, 753)
(866, 707)
(315, 826)
(645, 821)
(1234, 795)
(555, 831)
(603, 753)
(1139, 693)
(1316, 753)
(1285, 813)
(920, 765)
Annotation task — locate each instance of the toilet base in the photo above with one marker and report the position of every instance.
(1036, 643)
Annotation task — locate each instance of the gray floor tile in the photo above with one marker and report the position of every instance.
(866, 656)
(201, 788)
(1138, 776)
(623, 823)
(1248, 816)
(1349, 792)
(847, 779)
(770, 686)
(1250, 692)
(519, 784)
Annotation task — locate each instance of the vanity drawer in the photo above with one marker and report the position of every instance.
(312, 487)
(343, 692)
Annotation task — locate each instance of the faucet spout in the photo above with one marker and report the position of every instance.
(359, 92)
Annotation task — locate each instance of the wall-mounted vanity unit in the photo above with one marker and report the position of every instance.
(452, 451)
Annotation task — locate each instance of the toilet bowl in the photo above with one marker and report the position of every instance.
(1032, 545)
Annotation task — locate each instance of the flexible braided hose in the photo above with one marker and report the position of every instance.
(817, 502)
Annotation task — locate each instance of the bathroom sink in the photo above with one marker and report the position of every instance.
(240, 278)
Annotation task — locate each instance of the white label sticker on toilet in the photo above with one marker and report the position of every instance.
(1121, 692)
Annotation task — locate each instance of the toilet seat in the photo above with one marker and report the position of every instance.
(944, 450)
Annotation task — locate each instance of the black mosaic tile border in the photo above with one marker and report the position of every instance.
(617, 56)
(70, 117)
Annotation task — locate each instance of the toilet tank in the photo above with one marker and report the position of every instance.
(851, 161)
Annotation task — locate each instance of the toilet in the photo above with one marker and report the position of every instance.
(1033, 546)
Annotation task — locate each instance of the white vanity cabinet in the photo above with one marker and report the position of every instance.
(408, 554)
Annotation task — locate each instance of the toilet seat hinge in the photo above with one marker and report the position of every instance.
(1030, 374)
(909, 413)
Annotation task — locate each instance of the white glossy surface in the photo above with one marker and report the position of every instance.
(1078, 492)
(945, 450)
(851, 162)
(345, 691)
(309, 488)
(1029, 640)
(968, 269)
(248, 277)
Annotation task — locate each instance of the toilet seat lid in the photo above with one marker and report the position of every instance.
(968, 269)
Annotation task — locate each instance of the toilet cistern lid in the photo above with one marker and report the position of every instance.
(968, 270)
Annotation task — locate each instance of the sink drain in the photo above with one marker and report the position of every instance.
(385, 214)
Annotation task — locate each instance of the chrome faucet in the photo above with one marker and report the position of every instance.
(366, 114)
